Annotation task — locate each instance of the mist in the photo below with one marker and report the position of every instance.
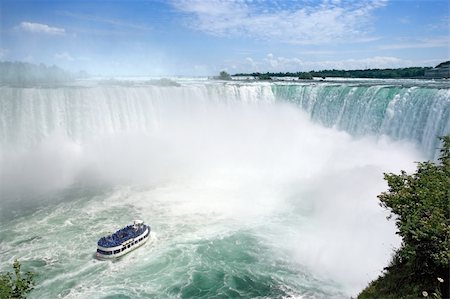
(309, 191)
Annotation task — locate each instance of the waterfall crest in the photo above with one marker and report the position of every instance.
(417, 114)
(27, 115)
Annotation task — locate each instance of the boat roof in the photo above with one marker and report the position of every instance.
(122, 235)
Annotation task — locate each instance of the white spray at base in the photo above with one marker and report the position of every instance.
(217, 158)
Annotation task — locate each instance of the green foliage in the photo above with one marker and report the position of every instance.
(442, 64)
(305, 76)
(265, 76)
(24, 74)
(420, 203)
(224, 76)
(393, 284)
(15, 285)
(409, 72)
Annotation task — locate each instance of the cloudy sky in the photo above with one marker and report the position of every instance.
(202, 37)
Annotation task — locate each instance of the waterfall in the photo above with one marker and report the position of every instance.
(417, 114)
(27, 115)
(241, 188)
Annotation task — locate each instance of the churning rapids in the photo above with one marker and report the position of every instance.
(252, 189)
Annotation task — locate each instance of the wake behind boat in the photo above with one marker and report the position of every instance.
(123, 241)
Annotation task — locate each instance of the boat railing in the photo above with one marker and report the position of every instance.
(122, 235)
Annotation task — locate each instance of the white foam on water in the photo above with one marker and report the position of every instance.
(200, 168)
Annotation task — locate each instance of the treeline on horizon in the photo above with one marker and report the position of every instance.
(409, 72)
(24, 73)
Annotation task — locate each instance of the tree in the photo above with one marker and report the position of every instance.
(17, 286)
(420, 204)
(305, 76)
(266, 76)
(224, 76)
(24, 74)
(410, 72)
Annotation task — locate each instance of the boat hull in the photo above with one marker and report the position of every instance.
(105, 253)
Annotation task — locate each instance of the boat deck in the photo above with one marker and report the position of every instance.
(122, 235)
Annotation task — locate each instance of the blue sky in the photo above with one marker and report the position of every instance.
(202, 37)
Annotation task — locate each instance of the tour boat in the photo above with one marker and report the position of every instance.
(123, 241)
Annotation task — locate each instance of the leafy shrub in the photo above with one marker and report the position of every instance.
(305, 76)
(420, 204)
(15, 285)
(224, 76)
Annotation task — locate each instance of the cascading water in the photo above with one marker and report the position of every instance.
(31, 114)
(245, 195)
(417, 113)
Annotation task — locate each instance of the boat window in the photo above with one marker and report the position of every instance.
(104, 252)
(116, 251)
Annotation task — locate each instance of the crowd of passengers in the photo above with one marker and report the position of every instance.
(121, 235)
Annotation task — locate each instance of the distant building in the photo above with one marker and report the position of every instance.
(440, 71)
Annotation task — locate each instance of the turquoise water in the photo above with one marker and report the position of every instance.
(416, 113)
(251, 190)
(188, 255)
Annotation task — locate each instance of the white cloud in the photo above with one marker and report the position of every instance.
(41, 28)
(273, 63)
(64, 56)
(83, 58)
(110, 21)
(364, 63)
(405, 20)
(327, 22)
(438, 42)
(3, 52)
(252, 63)
(28, 58)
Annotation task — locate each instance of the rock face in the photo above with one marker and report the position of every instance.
(440, 71)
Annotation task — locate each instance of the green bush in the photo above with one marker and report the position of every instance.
(224, 76)
(15, 285)
(266, 76)
(420, 204)
(305, 76)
